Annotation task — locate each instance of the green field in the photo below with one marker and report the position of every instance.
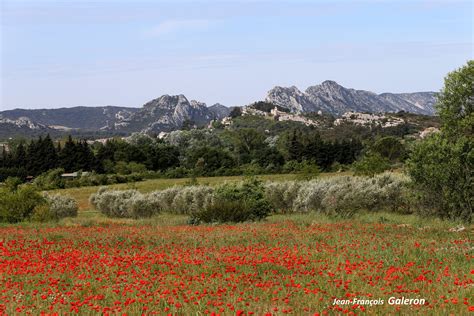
(298, 264)
(287, 264)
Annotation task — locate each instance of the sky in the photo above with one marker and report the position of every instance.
(125, 53)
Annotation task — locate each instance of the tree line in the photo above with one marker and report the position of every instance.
(193, 152)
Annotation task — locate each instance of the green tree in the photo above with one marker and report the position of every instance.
(370, 165)
(236, 112)
(389, 147)
(20, 155)
(442, 166)
(456, 102)
(443, 171)
(68, 156)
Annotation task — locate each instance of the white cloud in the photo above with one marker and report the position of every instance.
(173, 26)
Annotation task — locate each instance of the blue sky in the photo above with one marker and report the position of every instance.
(70, 53)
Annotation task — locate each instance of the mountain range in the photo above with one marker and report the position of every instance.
(330, 97)
(168, 113)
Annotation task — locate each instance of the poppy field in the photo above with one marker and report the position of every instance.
(280, 266)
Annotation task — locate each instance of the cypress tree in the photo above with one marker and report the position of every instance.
(19, 158)
(68, 156)
(33, 162)
(49, 156)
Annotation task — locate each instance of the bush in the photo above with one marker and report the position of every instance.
(50, 180)
(124, 168)
(308, 170)
(371, 165)
(18, 204)
(61, 206)
(113, 203)
(282, 195)
(305, 169)
(389, 147)
(141, 206)
(235, 203)
(125, 204)
(311, 194)
(191, 199)
(41, 213)
(165, 198)
(443, 171)
(341, 196)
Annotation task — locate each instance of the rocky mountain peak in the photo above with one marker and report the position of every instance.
(291, 98)
(330, 97)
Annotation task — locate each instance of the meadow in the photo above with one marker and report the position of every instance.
(286, 264)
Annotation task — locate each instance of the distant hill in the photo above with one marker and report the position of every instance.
(330, 97)
(170, 112)
(80, 117)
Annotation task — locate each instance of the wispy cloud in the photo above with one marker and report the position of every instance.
(174, 26)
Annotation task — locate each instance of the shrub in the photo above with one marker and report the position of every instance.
(141, 206)
(311, 194)
(18, 204)
(50, 180)
(282, 195)
(371, 165)
(12, 183)
(443, 171)
(125, 204)
(41, 213)
(191, 199)
(165, 198)
(308, 170)
(341, 196)
(114, 203)
(389, 147)
(124, 168)
(61, 206)
(221, 210)
(235, 203)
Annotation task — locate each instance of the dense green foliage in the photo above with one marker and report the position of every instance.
(197, 152)
(18, 204)
(371, 164)
(442, 166)
(443, 171)
(23, 202)
(235, 203)
(456, 102)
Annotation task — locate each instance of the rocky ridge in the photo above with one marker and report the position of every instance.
(332, 98)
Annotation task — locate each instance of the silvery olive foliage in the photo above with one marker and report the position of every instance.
(61, 206)
(133, 204)
(282, 195)
(340, 195)
(191, 199)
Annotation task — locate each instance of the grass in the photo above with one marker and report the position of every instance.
(288, 264)
(82, 194)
